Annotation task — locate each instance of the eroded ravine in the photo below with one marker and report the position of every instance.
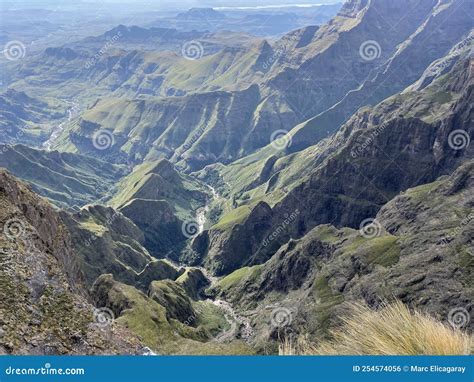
(240, 327)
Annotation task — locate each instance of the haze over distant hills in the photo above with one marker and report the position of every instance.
(177, 4)
(216, 181)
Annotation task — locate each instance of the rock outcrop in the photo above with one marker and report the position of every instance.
(44, 306)
(418, 249)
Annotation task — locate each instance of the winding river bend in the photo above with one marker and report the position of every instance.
(201, 218)
(57, 131)
(239, 326)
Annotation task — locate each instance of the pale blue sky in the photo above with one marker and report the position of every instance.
(163, 3)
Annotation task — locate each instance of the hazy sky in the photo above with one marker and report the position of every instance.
(160, 3)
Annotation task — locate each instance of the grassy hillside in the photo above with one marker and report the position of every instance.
(68, 180)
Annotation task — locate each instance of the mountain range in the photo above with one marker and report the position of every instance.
(176, 190)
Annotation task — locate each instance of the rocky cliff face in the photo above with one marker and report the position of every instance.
(405, 141)
(228, 245)
(161, 202)
(405, 65)
(44, 307)
(108, 242)
(418, 249)
(382, 152)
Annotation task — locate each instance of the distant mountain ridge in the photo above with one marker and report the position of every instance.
(297, 87)
(200, 195)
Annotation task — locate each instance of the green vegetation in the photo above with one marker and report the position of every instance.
(60, 316)
(392, 330)
(326, 299)
(383, 251)
(240, 275)
(230, 219)
(210, 318)
(65, 179)
(159, 181)
(171, 295)
(420, 193)
(150, 320)
(327, 233)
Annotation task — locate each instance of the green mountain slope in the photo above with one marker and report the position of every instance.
(227, 105)
(272, 169)
(68, 180)
(162, 202)
(418, 242)
(24, 119)
(407, 140)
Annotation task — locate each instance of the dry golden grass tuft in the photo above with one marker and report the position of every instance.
(392, 330)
